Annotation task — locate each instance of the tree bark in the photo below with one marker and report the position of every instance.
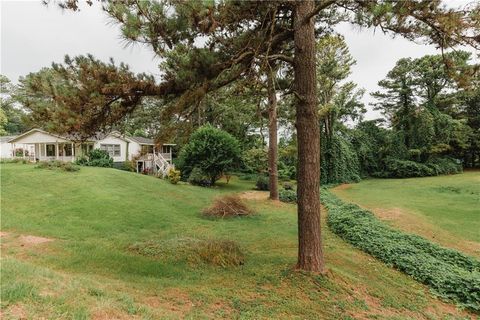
(310, 251)
(272, 136)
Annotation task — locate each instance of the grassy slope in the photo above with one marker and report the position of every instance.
(87, 272)
(445, 209)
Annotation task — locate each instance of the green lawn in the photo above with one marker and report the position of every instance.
(87, 270)
(444, 208)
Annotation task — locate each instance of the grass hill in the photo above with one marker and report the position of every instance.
(103, 244)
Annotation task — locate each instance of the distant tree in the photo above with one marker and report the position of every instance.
(3, 122)
(14, 119)
(468, 110)
(419, 97)
(210, 150)
(255, 160)
(339, 101)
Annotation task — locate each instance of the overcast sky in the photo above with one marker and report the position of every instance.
(33, 35)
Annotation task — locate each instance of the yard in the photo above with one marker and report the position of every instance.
(67, 239)
(444, 209)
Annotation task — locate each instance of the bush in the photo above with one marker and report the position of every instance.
(125, 166)
(198, 178)
(70, 167)
(14, 160)
(444, 166)
(286, 172)
(263, 183)
(99, 158)
(173, 176)
(211, 150)
(82, 161)
(288, 186)
(396, 168)
(96, 158)
(287, 195)
(105, 163)
(449, 273)
(57, 165)
(227, 206)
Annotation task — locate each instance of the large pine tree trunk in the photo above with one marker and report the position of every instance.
(272, 136)
(310, 252)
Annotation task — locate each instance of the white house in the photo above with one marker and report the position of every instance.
(43, 146)
(6, 148)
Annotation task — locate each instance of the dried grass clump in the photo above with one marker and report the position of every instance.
(193, 251)
(223, 253)
(228, 206)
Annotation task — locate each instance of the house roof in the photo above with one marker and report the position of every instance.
(71, 137)
(142, 140)
(15, 138)
(97, 136)
(6, 138)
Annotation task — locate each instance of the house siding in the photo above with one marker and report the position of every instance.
(114, 140)
(134, 149)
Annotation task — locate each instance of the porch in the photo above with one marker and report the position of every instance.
(61, 151)
(154, 163)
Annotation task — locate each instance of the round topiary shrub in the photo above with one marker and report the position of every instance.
(210, 150)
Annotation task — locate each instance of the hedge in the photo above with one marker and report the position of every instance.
(449, 273)
(396, 168)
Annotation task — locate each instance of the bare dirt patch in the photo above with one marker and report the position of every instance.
(4, 234)
(254, 195)
(23, 245)
(178, 303)
(16, 311)
(343, 186)
(27, 240)
(109, 314)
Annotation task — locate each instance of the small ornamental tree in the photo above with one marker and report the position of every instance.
(210, 150)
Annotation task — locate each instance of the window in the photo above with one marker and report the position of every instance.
(86, 148)
(68, 150)
(112, 149)
(146, 149)
(50, 150)
(166, 149)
